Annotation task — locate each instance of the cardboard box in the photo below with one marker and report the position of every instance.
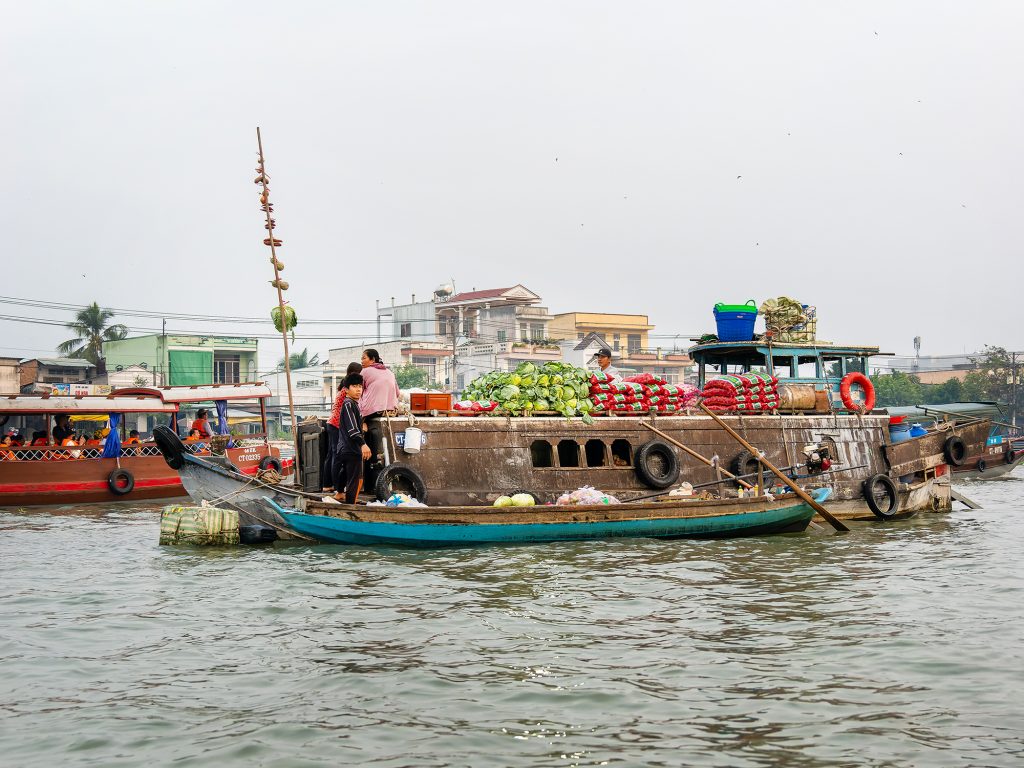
(430, 401)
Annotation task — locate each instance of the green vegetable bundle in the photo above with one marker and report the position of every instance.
(557, 387)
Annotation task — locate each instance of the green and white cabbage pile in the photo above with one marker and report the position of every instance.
(558, 387)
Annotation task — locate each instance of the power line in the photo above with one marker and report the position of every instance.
(67, 307)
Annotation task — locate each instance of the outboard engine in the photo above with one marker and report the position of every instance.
(818, 457)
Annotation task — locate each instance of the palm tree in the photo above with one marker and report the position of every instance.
(91, 330)
(300, 360)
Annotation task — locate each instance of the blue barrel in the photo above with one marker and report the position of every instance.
(899, 432)
(917, 430)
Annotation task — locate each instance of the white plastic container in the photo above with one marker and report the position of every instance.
(413, 440)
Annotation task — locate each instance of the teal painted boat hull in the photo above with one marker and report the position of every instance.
(337, 530)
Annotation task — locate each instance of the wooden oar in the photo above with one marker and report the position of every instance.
(695, 455)
(835, 521)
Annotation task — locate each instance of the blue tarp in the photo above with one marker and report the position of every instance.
(222, 419)
(112, 445)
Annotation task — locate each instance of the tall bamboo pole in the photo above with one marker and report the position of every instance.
(265, 199)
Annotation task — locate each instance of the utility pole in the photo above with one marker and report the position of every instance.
(453, 379)
(1013, 368)
(163, 351)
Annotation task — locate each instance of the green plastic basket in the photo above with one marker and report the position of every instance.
(750, 306)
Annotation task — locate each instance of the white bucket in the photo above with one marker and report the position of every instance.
(413, 440)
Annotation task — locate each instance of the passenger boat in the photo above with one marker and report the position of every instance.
(996, 458)
(447, 526)
(47, 473)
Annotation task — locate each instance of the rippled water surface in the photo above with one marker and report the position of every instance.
(899, 644)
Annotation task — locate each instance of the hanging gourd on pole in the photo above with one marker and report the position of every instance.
(284, 317)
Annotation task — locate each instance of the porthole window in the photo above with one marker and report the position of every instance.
(568, 453)
(622, 453)
(541, 454)
(597, 453)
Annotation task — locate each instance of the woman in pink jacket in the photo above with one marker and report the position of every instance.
(380, 394)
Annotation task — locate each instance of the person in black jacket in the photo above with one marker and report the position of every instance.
(352, 448)
(62, 429)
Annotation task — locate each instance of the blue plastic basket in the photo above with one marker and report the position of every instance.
(735, 324)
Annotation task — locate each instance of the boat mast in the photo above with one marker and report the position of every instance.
(264, 181)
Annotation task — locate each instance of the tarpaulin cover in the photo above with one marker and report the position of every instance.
(190, 366)
(112, 445)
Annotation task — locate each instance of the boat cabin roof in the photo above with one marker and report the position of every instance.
(28, 404)
(757, 350)
(201, 393)
(985, 409)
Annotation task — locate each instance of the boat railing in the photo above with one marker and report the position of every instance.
(75, 452)
(78, 452)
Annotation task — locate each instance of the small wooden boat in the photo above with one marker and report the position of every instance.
(446, 526)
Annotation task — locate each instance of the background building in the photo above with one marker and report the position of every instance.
(430, 355)
(187, 360)
(39, 374)
(308, 396)
(492, 315)
(120, 377)
(10, 375)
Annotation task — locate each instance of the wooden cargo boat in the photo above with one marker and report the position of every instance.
(447, 526)
(995, 458)
(470, 460)
(457, 460)
(51, 474)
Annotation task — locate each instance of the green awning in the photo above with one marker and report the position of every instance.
(189, 367)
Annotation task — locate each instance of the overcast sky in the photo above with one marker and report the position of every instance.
(626, 157)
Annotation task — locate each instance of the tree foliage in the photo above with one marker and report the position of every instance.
(995, 371)
(992, 380)
(91, 330)
(897, 389)
(300, 360)
(411, 375)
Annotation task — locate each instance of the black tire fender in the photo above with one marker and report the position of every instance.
(121, 482)
(884, 484)
(1011, 456)
(400, 478)
(170, 446)
(745, 463)
(271, 462)
(955, 451)
(982, 466)
(656, 464)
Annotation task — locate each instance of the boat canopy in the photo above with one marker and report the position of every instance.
(943, 411)
(815, 362)
(201, 393)
(84, 404)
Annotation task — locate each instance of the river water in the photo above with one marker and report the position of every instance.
(898, 644)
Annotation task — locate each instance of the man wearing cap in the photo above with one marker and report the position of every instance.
(604, 363)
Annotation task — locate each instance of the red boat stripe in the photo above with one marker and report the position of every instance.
(92, 485)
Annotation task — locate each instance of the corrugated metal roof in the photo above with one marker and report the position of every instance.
(63, 362)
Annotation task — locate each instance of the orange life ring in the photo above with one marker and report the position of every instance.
(869, 392)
